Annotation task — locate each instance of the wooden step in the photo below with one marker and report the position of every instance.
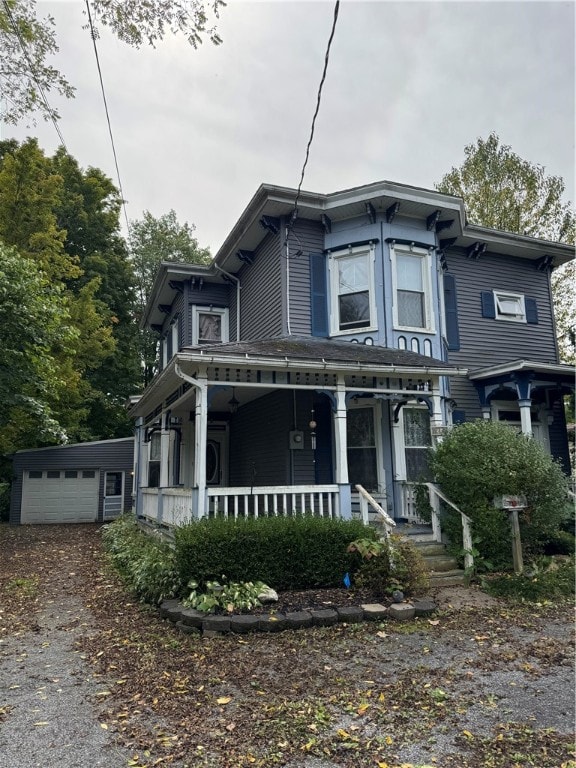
(447, 578)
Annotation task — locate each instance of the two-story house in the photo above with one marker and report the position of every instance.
(327, 348)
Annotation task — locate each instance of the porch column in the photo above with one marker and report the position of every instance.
(525, 416)
(139, 448)
(436, 415)
(340, 436)
(200, 438)
(164, 451)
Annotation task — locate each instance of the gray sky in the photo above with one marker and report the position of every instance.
(409, 84)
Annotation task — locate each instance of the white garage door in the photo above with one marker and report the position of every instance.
(60, 496)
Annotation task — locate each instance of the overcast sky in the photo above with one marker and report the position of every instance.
(409, 84)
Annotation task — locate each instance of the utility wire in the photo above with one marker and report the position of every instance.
(319, 96)
(49, 109)
(93, 35)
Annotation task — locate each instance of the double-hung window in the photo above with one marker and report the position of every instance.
(411, 270)
(352, 290)
(210, 325)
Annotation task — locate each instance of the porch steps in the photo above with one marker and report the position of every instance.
(443, 570)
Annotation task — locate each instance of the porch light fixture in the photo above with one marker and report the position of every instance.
(233, 403)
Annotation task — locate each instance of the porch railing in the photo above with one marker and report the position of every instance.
(367, 500)
(275, 501)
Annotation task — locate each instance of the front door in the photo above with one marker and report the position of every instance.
(217, 455)
(365, 466)
(113, 494)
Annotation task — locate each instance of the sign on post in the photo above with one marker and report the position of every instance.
(512, 504)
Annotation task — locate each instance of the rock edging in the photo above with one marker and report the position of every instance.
(191, 621)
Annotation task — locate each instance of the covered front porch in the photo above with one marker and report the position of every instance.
(286, 427)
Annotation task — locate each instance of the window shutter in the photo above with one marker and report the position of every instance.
(318, 295)
(531, 311)
(451, 309)
(488, 306)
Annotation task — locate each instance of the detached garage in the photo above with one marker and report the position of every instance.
(81, 483)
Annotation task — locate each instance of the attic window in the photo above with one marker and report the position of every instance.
(510, 306)
(210, 325)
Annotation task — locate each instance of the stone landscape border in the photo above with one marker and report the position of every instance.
(192, 621)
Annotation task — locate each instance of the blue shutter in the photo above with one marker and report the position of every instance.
(531, 311)
(451, 310)
(458, 417)
(318, 295)
(488, 305)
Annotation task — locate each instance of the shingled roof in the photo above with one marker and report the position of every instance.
(327, 350)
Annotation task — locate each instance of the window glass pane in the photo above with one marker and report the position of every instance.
(409, 272)
(417, 427)
(71, 474)
(35, 474)
(154, 474)
(52, 474)
(353, 274)
(509, 305)
(354, 310)
(417, 465)
(360, 424)
(209, 327)
(155, 447)
(113, 484)
(88, 473)
(411, 309)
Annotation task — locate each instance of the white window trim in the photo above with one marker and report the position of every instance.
(426, 262)
(335, 329)
(500, 296)
(209, 310)
(174, 328)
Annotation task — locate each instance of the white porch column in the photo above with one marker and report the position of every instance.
(164, 452)
(200, 438)
(436, 415)
(525, 416)
(340, 435)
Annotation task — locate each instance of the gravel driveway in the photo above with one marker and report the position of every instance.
(90, 678)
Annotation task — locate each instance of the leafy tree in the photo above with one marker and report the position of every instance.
(151, 241)
(37, 328)
(27, 42)
(502, 191)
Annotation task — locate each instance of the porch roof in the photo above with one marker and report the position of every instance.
(316, 353)
(553, 372)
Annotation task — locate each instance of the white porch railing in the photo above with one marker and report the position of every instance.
(367, 500)
(233, 503)
(275, 501)
(436, 496)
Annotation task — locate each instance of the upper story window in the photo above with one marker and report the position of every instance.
(411, 271)
(352, 290)
(210, 325)
(509, 306)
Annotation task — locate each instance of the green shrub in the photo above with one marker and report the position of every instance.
(480, 460)
(560, 543)
(146, 564)
(229, 596)
(546, 579)
(394, 564)
(4, 501)
(287, 553)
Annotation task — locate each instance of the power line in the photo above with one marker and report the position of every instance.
(49, 109)
(93, 35)
(319, 96)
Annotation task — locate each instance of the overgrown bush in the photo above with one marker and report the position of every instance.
(145, 563)
(287, 553)
(545, 579)
(394, 564)
(478, 461)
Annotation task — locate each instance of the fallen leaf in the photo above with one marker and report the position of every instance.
(434, 622)
(224, 700)
(42, 722)
(104, 725)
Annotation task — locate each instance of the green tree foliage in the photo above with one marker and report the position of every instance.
(64, 221)
(28, 40)
(152, 241)
(37, 332)
(480, 460)
(502, 191)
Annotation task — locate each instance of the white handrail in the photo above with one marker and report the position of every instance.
(435, 494)
(365, 499)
